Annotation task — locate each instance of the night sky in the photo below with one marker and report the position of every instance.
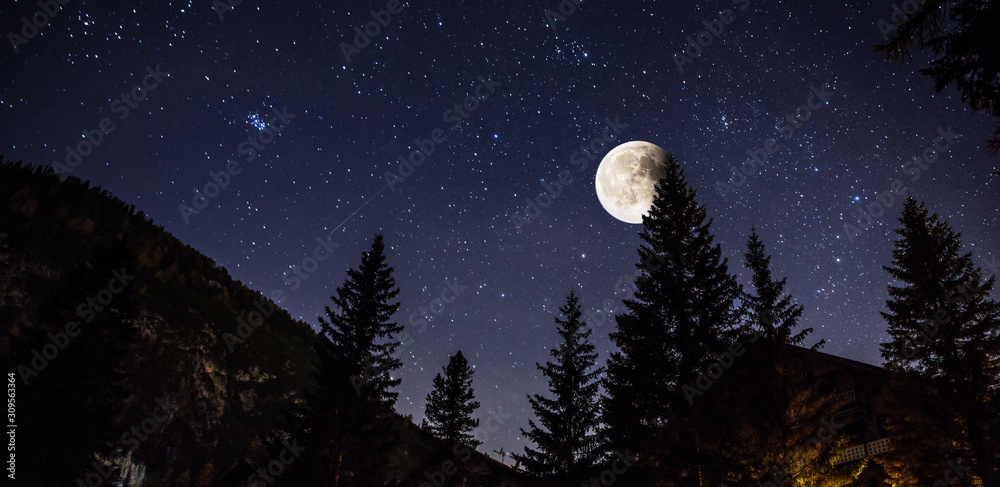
(544, 92)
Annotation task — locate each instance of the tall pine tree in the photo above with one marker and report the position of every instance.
(683, 311)
(356, 358)
(361, 330)
(945, 344)
(451, 403)
(566, 435)
(770, 311)
(780, 404)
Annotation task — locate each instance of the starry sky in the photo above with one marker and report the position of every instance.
(214, 81)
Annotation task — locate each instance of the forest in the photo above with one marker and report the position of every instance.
(140, 360)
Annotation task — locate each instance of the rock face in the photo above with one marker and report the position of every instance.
(104, 316)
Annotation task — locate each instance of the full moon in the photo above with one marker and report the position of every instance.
(627, 177)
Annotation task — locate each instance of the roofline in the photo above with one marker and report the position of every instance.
(843, 361)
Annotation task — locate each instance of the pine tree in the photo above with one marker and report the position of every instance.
(356, 352)
(770, 311)
(568, 420)
(451, 403)
(944, 344)
(780, 403)
(361, 331)
(962, 35)
(682, 313)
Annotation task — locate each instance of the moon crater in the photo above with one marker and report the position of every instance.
(626, 179)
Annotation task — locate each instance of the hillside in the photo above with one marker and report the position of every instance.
(123, 344)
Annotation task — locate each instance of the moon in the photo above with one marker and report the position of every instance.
(627, 177)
